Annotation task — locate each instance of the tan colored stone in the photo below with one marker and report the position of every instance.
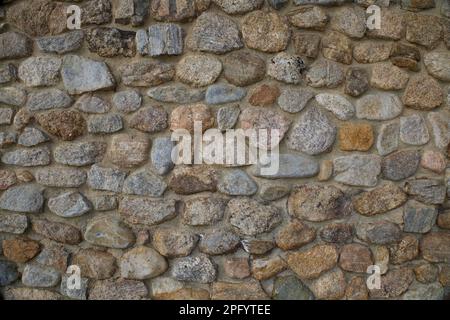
(356, 137)
(355, 258)
(330, 286)
(190, 180)
(237, 267)
(386, 76)
(326, 170)
(248, 290)
(128, 151)
(435, 247)
(311, 263)
(294, 235)
(95, 264)
(443, 220)
(426, 272)
(357, 289)
(266, 268)
(20, 250)
(337, 47)
(184, 117)
(371, 52)
(406, 250)
(423, 93)
(379, 200)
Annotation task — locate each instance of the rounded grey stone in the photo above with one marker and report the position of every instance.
(144, 183)
(48, 99)
(289, 166)
(294, 100)
(236, 182)
(31, 137)
(127, 101)
(40, 71)
(69, 205)
(79, 153)
(108, 123)
(28, 157)
(224, 93)
(62, 43)
(8, 272)
(413, 130)
(400, 165)
(218, 242)
(35, 275)
(161, 155)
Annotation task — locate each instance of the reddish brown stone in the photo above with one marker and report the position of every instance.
(184, 117)
(264, 95)
(65, 124)
(311, 263)
(20, 250)
(60, 232)
(355, 258)
(294, 235)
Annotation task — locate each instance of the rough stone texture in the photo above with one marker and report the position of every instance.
(310, 264)
(265, 31)
(214, 32)
(87, 176)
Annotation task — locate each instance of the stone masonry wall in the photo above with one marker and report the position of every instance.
(86, 177)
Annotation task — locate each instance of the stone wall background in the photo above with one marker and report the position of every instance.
(86, 179)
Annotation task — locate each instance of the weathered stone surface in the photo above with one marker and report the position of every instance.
(161, 155)
(400, 165)
(82, 75)
(60, 232)
(203, 211)
(265, 31)
(62, 43)
(69, 205)
(146, 73)
(429, 191)
(294, 100)
(394, 283)
(423, 93)
(440, 127)
(223, 93)
(290, 288)
(144, 183)
(35, 275)
(257, 118)
(413, 130)
(350, 21)
(423, 29)
(380, 200)
(31, 157)
(7, 179)
(393, 26)
(149, 119)
(356, 137)
(248, 290)
(435, 247)
(236, 183)
(13, 96)
(371, 52)
(264, 95)
(95, 264)
(134, 12)
(20, 250)
(227, 117)
(190, 180)
(105, 202)
(355, 258)
(265, 268)
(257, 247)
(8, 273)
(379, 107)
(96, 12)
(337, 47)
(142, 263)
(171, 243)
(79, 153)
(311, 263)
(306, 44)
(184, 117)
(386, 76)
(165, 39)
(337, 104)
(176, 93)
(121, 289)
(108, 232)
(48, 99)
(337, 233)
(127, 101)
(243, 68)
(13, 223)
(426, 272)
(437, 64)
(109, 123)
(406, 250)
(218, 242)
(146, 211)
(443, 220)
(31, 294)
(6, 115)
(128, 151)
(424, 292)
(289, 166)
(15, 45)
(405, 56)
(309, 17)
(236, 268)
(313, 134)
(330, 286)
(25, 198)
(357, 170)
(317, 203)
(434, 161)
(65, 124)
(77, 294)
(252, 218)
(89, 103)
(294, 235)
(166, 10)
(53, 255)
(239, 6)
(216, 33)
(277, 4)
(198, 70)
(325, 73)
(197, 268)
(40, 71)
(356, 289)
(388, 136)
(107, 179)
(286, 68)
(381, 232)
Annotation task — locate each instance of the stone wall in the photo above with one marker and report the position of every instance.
(86, 177)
